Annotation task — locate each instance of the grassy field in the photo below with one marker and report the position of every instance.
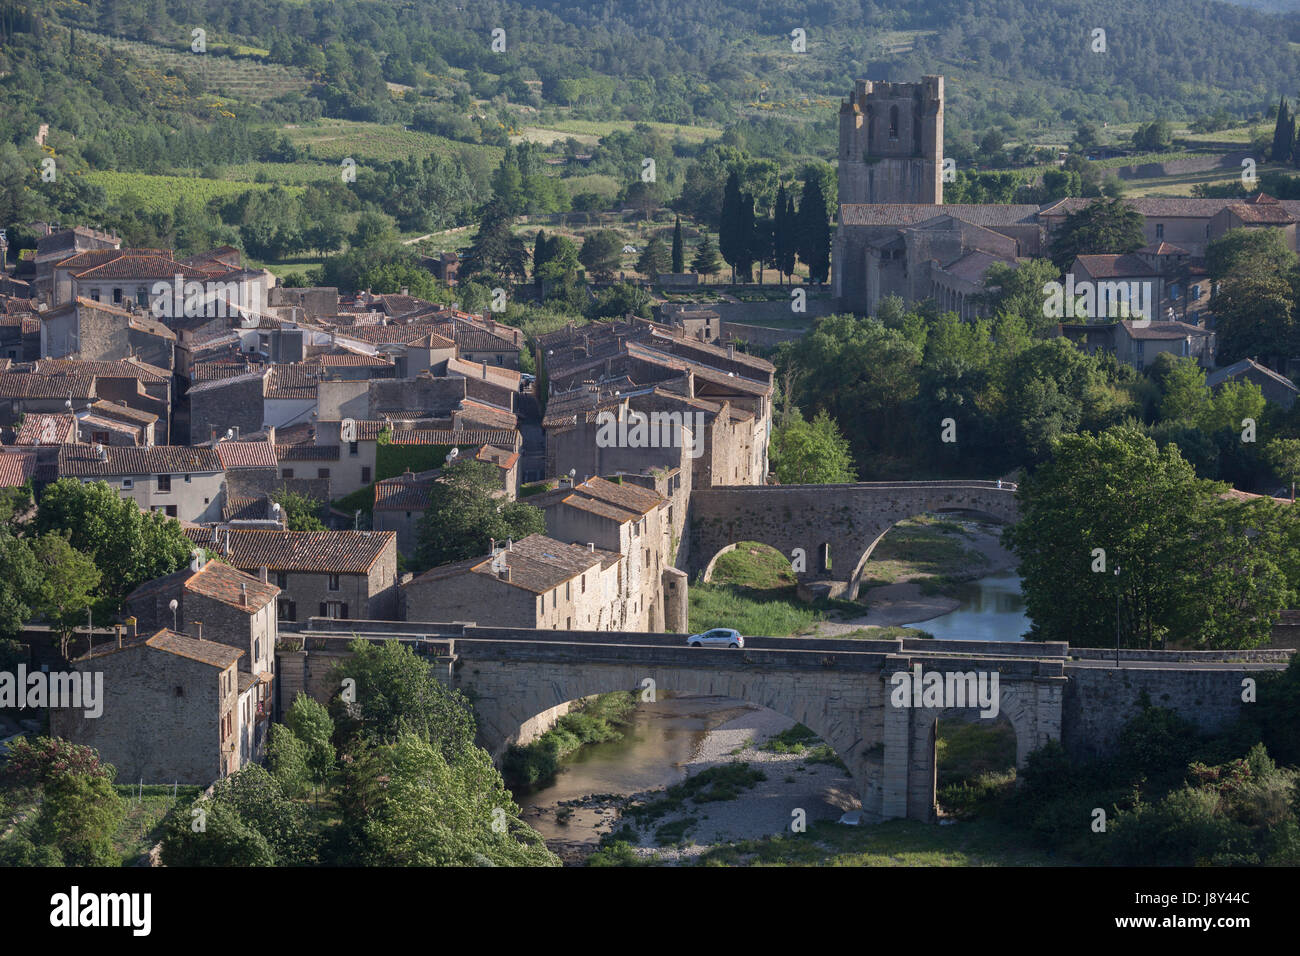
(162, 193)
(895, 843)
(921, 546)
(753, 590)
(591, 130)
(335, 139)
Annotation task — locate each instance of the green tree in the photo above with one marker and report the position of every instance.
(496, 250)
(311, 723)
(814, 231)
(1020, 291)
(653, 259)
(408, 803)
(257, 799)
(287, 756)
(1186, 396)
(463, 515)
(216, 836)
(128, 546)
(602, 254)
(68, 587)
(302, 512)
(1283, 455)
(1103, 226)
(397, 693)
(705, 261)
(1116, 501)
(1154, 136)
(679, 250)
(20, 584)
(733, 240)
(811, 452)
(80, 814)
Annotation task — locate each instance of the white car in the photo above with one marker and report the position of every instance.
(718, 637)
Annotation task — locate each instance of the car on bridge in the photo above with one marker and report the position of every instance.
(717, 637)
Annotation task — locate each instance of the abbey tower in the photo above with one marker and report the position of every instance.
(891, 143)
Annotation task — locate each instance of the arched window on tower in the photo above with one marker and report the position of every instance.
(893, 122)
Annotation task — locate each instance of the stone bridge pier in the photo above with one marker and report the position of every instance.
(830, 530)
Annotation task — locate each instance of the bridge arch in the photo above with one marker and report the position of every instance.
(855, 580)
(849, 518)
(843, 726)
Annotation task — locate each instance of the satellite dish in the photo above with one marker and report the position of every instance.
(172, 605)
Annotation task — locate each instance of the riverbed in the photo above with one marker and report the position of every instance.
(663, 743)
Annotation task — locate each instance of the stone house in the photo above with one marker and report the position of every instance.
(400, 503)
(93, 331)
(172, 712)
(219, 603)
(129, 382)
(60, 246)
(1276, 388)
(622, 518)
(218, 405)
(335, 574)
(182, 482)
(538, 582)
(1138, 345)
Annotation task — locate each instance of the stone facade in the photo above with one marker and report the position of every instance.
(891, 143)
(171, 710)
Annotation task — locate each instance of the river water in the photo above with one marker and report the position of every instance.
(991, 609)
(658, 742)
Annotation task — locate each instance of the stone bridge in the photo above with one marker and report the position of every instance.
(836, 526)
(520, 680)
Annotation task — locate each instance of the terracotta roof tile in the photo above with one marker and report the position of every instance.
(332, 552)
(82, 461)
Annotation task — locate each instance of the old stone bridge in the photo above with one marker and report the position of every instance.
(520, 680)
(832, 528)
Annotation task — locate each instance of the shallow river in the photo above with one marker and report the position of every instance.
(660, 738)
(992, 609)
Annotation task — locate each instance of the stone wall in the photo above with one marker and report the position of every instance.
(1099, 701)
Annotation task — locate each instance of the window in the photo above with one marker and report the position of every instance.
(334, 610)
(286, 472)
(257, 649)
(187, 479)
(568, 590)
(1137, 347)
(333, 582)
(180, 691)
(554, 595)
(286, 610)
(1196, 292)
(1160, 230)
(584, 584)
(322, 472)
(100, 438)
(141, 296)
(164, 484)
(408, 516)
(365, 474)
(281, 579)
(893, 122)
(499, 360)
(128, 482)
(117, 296)
(354, 448)
(170, 511)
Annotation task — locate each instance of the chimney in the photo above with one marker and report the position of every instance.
(243, 594)
(510, 544)
(731, 350)
(214, 436)
(132, 627)
(264, 574)
(198, 627)
(485, 368)
(591, 546)
(405, 290)
(227, 542)
(119, 636)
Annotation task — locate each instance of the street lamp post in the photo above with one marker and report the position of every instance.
(1117, 597)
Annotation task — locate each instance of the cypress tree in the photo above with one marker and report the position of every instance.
(814, 231)
(540, 250)
(748, 243)
(732, 236)
(1283, 131)
(780, 232)
(679, 251)
(791, 221)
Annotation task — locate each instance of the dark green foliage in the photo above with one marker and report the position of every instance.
(463, 516)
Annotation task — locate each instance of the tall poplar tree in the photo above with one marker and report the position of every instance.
(679, 251)
(733, 239)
